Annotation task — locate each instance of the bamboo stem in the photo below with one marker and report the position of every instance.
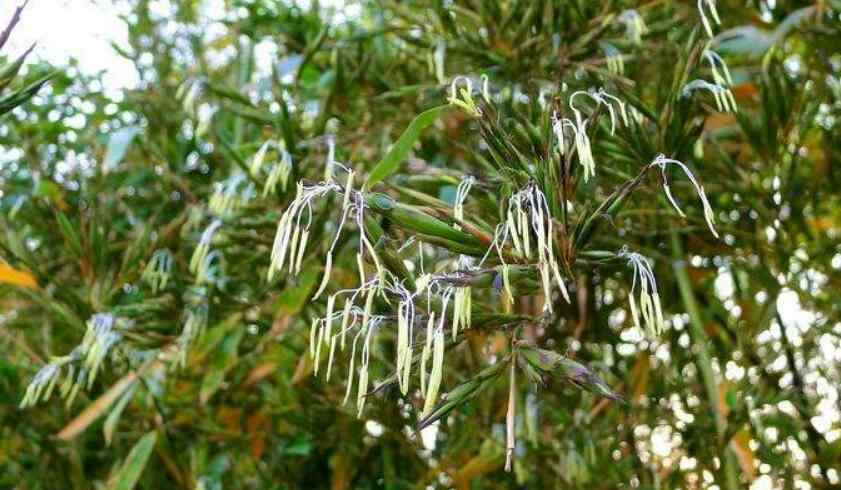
(702, 358)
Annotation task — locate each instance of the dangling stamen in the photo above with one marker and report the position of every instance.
(634, 25)
(649, 299)
(437, 373)
(713, 11)
(723, 80)
(427, 349)
(661, 161)
(202, 249)
(461, 195)
(463, 97)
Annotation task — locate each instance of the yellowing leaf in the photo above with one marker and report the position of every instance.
(639, 378)
(740, 444)
(10, 275)
(97, 408)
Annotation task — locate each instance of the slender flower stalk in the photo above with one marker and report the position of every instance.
(209, 268)
(719, 93)
(579, 126)
(194, 320)
(439, 58)
(559, 125)
(613, 58)
(294, 225)
(435, 377)
(104, 332)
(582, 146)
(463, 295)
(486, 92)
(279, 171)
(42, 385)
(511, 416)
(258, 158)
(230, 195)
(462, 191)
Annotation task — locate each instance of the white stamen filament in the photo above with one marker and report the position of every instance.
(713, 12)
(649, 300)
(661, 161)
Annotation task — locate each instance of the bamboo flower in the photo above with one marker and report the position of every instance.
(463, 97)
(649, 299)
(661, 161)
(634, 24)
(710, 5)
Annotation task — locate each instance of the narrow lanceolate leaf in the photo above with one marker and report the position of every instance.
(70, 233)
(224, 358)
(413, 219)
(10, 71)
(464, 392)
(17, 98)
(128, 475)
(114, 417)
(391, 161)
(97, 408)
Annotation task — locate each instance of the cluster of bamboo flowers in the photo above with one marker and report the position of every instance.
(527, 232)
(80, 367)
(528, 216)
(578, 127)
(649, 299)
(356, 318)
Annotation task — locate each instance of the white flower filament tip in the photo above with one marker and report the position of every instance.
(661, 162)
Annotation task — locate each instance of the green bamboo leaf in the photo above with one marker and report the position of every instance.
(464, 392)
(415, 220)
(294, 296)
(128, 475)
(227, 92)
(10, 71)
(19, 97)
(398, 152)
(114, 416)
(69, 231)
(224, 358)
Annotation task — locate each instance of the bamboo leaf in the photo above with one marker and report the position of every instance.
(97, 408)
(294, 297)
(128, 475)
(9, 71)
(19, 97)
(10, 275)
(225, 357)
(464, 392)
(114, 417)
(401, 148)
